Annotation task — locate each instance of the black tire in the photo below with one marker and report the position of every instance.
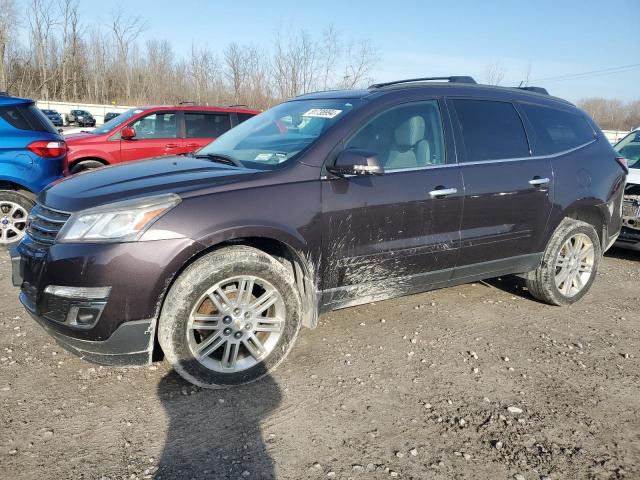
(24, 200)
(542, 281)
(194, 282)
(84, 165)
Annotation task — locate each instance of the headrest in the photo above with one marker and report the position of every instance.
(410, 132)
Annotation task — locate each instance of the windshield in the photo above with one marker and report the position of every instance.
(120, 119)
(629, 148)
(277, 135)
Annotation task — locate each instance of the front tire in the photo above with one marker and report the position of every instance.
(14, 210)
(569, 264)
(230, 318)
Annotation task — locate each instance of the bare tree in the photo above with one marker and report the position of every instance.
(494, 73)
(126, 30)
(66, 60)
(612, 114)
(361, 57)
(8, 17)
(42, 22)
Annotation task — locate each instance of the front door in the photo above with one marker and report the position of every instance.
(156, 135)
(397, 233)
(508, 193)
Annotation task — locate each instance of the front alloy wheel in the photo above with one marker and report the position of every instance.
(230, 318)
(236, 324)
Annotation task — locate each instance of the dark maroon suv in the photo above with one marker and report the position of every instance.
(326, 201)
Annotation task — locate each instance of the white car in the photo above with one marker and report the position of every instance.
(629, 147)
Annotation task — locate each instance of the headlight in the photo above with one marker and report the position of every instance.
(117, 222)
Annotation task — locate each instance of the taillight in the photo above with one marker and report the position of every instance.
(45, 149)
(623, 163)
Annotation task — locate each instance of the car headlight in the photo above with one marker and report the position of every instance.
(118, 222)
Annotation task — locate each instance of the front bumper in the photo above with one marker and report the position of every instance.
(138, 274)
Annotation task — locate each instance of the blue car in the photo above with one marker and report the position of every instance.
(31, 157)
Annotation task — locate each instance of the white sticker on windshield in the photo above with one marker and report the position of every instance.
(263, 157)
(322, 113)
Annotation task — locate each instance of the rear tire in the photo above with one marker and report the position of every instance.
(569, 264)
(224, 292)
(14, 209)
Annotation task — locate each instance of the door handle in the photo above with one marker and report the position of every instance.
(538, 181)
(192, 145)
(442, 192)
(171, 145)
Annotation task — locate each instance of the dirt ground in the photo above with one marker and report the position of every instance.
(414, 388)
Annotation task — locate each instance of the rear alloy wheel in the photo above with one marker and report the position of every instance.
(14, 210)
(569, 264)
(230, 318)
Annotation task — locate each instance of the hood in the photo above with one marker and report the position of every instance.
(78, 136)
(181, 175)
(633, 178)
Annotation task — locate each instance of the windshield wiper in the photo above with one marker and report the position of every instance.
(217, 157)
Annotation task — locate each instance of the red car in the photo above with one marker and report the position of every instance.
(147, 132)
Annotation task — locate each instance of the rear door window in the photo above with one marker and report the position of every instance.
(156, 125)
(206, 125)
(558, 130)
(244, 116)
(491, 130)
(26, 117)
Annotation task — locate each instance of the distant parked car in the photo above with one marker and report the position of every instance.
(110, 116)
(55, 117)
(151, 132)
(31, 157)
(81, 118)
(629, 148)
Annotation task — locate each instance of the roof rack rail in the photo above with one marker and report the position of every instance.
(238, 105)
(454, 79)
(189, 102)
(541, 90)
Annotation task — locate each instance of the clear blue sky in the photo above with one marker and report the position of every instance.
(421, 38)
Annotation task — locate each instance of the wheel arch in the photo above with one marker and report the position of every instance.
(593, 214)
(15, 186)
(93, 158)
(295, 259)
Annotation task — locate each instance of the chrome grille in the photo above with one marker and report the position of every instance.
(45, 223)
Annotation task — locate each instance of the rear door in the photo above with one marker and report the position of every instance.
(388, 235)
(201, 128)
(156, 135)
(508, 193)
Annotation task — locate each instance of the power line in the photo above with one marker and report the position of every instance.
(592, 73)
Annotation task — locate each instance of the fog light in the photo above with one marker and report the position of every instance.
(79, 307)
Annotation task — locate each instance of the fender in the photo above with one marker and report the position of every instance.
(305, 259)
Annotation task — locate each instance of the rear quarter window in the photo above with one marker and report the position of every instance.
(558, 130)
(26, 117)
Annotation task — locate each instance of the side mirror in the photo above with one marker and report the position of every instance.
(356, 162)
(128, 133)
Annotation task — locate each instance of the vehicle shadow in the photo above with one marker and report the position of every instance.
(623, 254)
(215, 434)
(511, 284)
